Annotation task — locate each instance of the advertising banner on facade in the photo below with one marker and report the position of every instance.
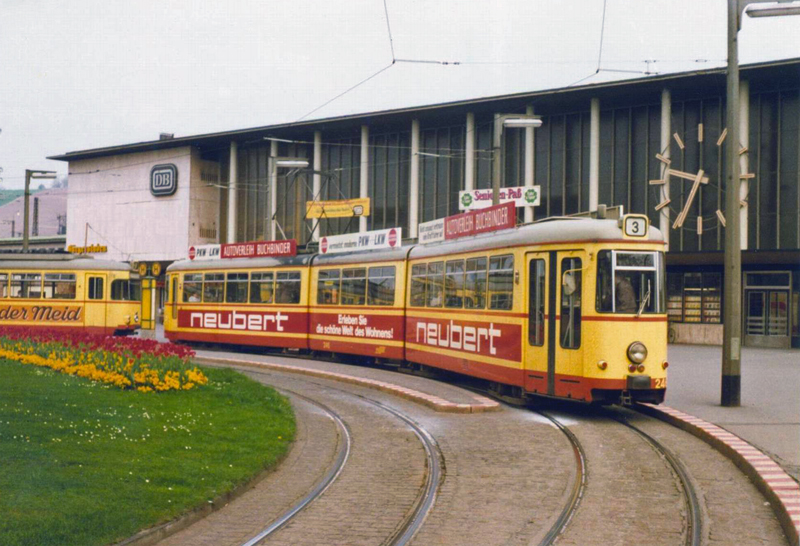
(340, 208)
(369, 240)
(469, 223)
(204, 252)
(521, 196)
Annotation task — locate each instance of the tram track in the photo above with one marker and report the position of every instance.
(694, 522)
(416, 516)
(578, 486)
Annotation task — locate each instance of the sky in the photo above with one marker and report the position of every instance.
(84, 74)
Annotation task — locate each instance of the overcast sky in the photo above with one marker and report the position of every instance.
(83, 74)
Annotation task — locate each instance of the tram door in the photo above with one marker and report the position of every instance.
(536, 345)
(567, 359)
(95, 295)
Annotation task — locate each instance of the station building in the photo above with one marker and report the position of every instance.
(598, 144)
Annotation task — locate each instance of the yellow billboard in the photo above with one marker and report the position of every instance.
(340, 208)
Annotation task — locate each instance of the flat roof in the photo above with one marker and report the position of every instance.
(649, 82)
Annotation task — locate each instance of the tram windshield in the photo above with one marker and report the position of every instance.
(630, 282)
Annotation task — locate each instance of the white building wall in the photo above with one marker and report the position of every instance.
(112, 194)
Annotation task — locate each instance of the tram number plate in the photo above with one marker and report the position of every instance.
(661, 382)
(635, 226)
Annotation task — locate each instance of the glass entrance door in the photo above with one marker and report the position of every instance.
(767, 318)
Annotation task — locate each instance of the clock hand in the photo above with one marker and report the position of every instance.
(698, 179)
(686, 176)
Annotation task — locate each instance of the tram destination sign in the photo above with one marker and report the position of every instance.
(163, 180)
(468, 224)
(369, 240)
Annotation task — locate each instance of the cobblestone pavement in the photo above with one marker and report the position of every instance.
(508, 474)
(634, 497)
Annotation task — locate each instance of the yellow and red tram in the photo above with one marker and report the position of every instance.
(568, 308)
(65, 291)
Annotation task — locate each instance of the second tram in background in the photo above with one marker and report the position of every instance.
(63, 291)
(567, 308)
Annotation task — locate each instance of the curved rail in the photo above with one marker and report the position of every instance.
(694, 532)
(341, 459)
(578, 486)
(424, 501)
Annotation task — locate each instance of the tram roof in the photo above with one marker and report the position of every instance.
(60, 262)
(549, 231)
(240, 263)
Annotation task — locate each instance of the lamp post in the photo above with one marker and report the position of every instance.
(29, 175)
(502, 121)
(732, 294)
(274, 164)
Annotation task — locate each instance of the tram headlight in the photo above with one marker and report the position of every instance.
(637, 352)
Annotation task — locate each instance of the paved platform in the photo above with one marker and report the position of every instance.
(769, 417)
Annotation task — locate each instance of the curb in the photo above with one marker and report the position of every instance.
(481, 405)
(777, 486)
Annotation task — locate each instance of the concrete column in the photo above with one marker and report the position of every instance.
(529, 164)
(744, 162)
(594, 155)
(233, 190)
(469, 153)
(316, 180)
(666, 134)
(413, 183)
(273, 191)
(362, 221)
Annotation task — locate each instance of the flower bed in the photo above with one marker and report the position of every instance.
(127, 363)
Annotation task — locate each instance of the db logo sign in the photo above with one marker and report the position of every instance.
(163, 180)
(323, 245)
(392, 238)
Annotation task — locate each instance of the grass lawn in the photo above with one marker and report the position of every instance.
(87, 464)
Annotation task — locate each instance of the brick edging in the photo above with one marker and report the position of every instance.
(772, 481)
(482, 404)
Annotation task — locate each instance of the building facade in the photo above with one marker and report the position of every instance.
(609, 144)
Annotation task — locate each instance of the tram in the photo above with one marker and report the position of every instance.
(68, 292)
(569, 308)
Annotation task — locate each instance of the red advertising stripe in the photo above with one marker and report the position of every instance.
(216, 320)
(490, 339)
(480, 221)
(259, 249)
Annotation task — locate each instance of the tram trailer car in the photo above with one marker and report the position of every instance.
(69, 292)
(565, 308)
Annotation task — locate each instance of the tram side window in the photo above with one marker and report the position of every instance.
(418, 275)
(26, 285)
(380, 285)
(95, 288)
(126, 290)
(328, 287)
(287, 287)
(354, 286)
(262, 287)
(192, 287)
(454, 284)
(501, 282)
(59, 286)
(435, 290)
(236, 287)
(4, 285)
(213, 287)
(571, 303)
(536, 302)
(475, 284)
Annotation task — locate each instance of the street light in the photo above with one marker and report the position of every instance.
(28, 176)
(274, 164)
(732, 294)
(500, 122)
